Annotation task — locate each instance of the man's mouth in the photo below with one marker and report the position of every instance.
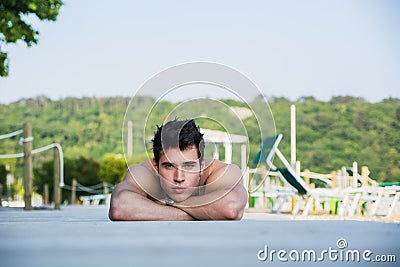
(178, 189)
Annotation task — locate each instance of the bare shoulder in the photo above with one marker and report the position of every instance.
(216, 169)
(141, 178)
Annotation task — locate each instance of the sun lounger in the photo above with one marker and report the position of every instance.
(287, 174)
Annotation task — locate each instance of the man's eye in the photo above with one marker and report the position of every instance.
(189, 166)
(168, 166)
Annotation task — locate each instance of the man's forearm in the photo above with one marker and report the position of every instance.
(130, 206)
(217, 205)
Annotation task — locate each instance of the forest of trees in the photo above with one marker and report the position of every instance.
(330, 134)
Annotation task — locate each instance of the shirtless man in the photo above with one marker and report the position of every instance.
(178, 183)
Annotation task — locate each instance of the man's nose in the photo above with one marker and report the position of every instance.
(179, 175)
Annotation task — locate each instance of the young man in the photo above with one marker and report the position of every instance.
(178, 183)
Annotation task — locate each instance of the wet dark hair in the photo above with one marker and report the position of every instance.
(178, 133)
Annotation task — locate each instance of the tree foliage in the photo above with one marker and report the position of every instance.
(329, 134)
(84, 170)
(346, 129)
(14, 26)
(3, 180)
(112, 168)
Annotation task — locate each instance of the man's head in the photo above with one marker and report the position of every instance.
(178, 148)
(181, 134)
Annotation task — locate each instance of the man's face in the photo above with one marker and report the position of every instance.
(180, 172)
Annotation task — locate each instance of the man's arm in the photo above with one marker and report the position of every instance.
(129, 201)
(225, 197)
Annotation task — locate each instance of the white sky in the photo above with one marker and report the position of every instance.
(288, 48)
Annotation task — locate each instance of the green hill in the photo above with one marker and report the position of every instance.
(329, 134)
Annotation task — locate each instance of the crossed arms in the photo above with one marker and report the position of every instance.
(224, 197)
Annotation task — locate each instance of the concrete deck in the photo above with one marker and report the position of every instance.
(83, 236)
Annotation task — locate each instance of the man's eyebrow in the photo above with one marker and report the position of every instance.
(184, 163)
(166, 163)
(190, 162)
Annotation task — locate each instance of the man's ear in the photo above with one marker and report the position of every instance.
(155, 165)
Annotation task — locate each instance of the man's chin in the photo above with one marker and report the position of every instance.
(181, 195)
(179, 198)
